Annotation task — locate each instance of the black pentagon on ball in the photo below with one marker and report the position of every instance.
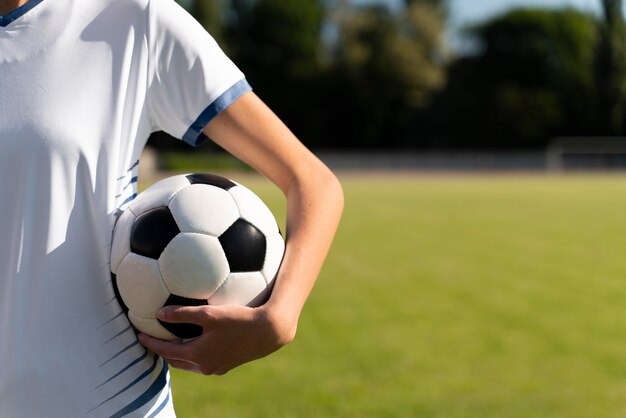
(183, 330)
(245, 247)
(152, 231)
(212, 180)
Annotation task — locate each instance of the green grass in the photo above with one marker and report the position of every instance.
(451, 296)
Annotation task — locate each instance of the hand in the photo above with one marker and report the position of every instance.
(232, 335)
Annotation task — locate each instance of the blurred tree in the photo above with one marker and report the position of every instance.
(276, 41)
(441, 5)
(371, 90)
(532, 78)
(386, 67)
(277, 44)
(210, 14)
(611, 69)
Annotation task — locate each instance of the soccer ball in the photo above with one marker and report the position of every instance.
(196, 239)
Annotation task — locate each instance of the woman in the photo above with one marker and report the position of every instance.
(82, 86)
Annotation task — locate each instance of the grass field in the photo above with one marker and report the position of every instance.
(451, 296)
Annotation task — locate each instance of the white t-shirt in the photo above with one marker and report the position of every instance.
(82, 85)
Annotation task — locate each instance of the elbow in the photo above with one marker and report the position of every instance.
(329, 187)
(317, 181)
(336, 190)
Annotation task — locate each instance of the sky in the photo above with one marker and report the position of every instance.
(468, 11)
(464, 12)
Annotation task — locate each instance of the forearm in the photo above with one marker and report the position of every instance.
(314, 207)
(253, 133)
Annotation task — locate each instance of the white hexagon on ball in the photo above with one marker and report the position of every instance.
(254, 210)
(193, 265)
(150, 326)
(158, 195)
(205, 209)
(140, 284)
(244, 289)
(273, 257)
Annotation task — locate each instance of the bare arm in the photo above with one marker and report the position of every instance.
(249, 130)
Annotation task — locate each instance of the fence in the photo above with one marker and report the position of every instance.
(563, 155)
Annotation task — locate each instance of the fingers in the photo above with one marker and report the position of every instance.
(169, 350)
(181, 355)
(199, 315)
(232, 335)
(177, 350)
(183, 365)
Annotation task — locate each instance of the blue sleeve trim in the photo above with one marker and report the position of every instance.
(19, 12)
(194, 135)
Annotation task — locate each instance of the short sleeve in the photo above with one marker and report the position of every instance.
(191, 80)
